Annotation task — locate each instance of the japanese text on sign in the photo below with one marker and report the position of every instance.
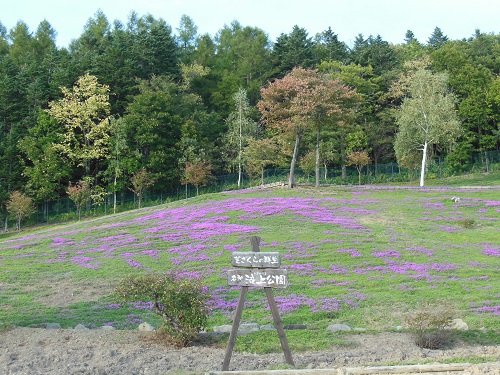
(265, 278)
(256, 260)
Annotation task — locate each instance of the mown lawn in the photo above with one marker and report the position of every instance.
(364, 257)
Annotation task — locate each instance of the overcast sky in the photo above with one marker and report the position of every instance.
(390, 18)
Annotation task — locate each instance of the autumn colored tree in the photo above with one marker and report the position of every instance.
(284, 110)
(197, 173)
(140, 181)
(20, 206)
(81, 195)
(333, 105)
(301, 101)
(359, 159)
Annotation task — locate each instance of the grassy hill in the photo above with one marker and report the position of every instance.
(364, 257)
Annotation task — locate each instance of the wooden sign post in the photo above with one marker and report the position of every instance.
(259, 270)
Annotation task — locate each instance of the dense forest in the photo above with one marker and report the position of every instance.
(143, 101)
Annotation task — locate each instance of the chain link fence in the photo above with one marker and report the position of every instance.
(63, 209)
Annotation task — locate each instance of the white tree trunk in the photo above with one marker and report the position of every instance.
(240, 146)
(114, 195)
(422, 168)
(318, 138)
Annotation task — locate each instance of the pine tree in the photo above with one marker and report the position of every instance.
(437, 38)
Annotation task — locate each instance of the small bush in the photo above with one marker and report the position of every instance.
(467, 223)
(428, 325)
(181, 303)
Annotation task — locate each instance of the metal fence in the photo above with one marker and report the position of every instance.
(63, 209)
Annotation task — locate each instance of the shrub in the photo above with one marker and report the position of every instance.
(428, 325)
(21, 206)
(80, 194)
(181, 303)
(467, 223)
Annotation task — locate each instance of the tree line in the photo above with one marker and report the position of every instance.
(140, 105)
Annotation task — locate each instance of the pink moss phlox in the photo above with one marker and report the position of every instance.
(492, 203)
(491, 250)
(352, 252)
(495, 310)
(151, 253)
(60, 241)
(85, 262)
(422, 250)
(386, 254)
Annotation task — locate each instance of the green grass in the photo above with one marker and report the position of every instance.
(473, 179)
(364, 258)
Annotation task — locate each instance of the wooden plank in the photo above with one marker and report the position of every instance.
(407, 369)
(279, 326)
(234, 329)
(261, 278)
(431, 369)
(256, 260)
(255, 242)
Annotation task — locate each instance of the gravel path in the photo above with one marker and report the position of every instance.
(46, 351)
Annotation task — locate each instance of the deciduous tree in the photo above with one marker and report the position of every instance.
(80, 194)
(140, 181)
(84, 113)
(260, 154)
(427, 117)
(20, 206)
(241, 129)
(359, 159)
(198, 174)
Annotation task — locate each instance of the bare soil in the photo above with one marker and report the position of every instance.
(98, 352)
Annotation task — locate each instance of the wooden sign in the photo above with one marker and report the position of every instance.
(252, 259)
(261, 271)
(263, 278)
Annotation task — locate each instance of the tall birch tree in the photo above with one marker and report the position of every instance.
(241, 129)
(426, 118)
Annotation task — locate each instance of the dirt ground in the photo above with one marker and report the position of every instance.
(96, 352)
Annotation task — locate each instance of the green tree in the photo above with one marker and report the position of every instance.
(163, 124)
(140, 181)
(426, 118)
(45, 170)
(84, 112)
(437, 38)
(374, 52)
(473, 80)
(327, 47)
(308, 163)
(241, 129)
(186, 39)
(293, 50)
(117, 162)
(410, 37)
(260, 154)
(242, 60)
